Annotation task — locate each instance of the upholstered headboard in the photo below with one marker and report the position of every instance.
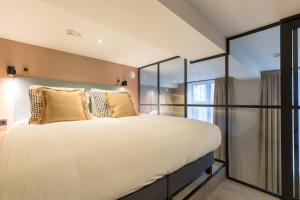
(22, 104)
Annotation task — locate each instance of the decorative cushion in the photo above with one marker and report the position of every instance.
(36, 105)
(99, 104)
(36, 101)
(63, 105)
(120, 104)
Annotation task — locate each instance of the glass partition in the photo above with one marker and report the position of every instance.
(214, 115)
(175, 111)
(254, 67)
(206, 82)
(171, 75)
(148, 85)
(148, 109)
(254, 118)
(255, 147)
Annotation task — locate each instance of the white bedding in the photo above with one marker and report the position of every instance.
(100, 158)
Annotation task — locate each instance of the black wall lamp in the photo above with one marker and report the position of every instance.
(124, 83)
(11, 71)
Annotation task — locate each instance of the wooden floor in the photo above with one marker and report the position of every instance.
(229, 190)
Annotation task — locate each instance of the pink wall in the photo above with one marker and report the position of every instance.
(58, 65)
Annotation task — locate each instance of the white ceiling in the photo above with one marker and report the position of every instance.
(134, 32)
(231, 17)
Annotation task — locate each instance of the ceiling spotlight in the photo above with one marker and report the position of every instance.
(99, 41)
(72, 32)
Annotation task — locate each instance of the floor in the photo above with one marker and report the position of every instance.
(220, 188)
(205, 190)
(229, 190)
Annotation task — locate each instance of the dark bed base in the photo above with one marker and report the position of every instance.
(170, 185)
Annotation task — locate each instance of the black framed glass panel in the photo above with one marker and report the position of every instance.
(171, 81)
(254, 69)
(148, 85)
(255, 147)
(148, 109)
(206, 82)
(214, 115)
(176, 111)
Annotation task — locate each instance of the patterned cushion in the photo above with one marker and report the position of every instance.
(36, 105)
(99, 104)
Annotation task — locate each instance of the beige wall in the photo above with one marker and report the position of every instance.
(57, 65)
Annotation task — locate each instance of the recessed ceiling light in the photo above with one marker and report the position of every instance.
(73, 33)
(99, 41)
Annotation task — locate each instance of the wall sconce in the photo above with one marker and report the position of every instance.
(124, 83)
(11, 71)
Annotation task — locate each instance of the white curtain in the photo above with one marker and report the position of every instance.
(219, 112)
(270, 127)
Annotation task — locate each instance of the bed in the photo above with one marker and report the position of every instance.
(140, 157)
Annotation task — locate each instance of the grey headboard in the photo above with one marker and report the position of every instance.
(22, 104)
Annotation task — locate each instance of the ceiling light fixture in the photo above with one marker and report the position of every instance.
(99, 41)
(72, 32)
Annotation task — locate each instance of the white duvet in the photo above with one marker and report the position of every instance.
(98, 159)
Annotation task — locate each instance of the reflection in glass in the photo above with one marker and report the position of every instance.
(148, 85)
(254, 65)
(254, 150)
(176, 111)
(172, 82)
(215, 115)
(201, 113)
(202, 78)
(148, 109)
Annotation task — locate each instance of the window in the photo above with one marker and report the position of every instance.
(201, 92)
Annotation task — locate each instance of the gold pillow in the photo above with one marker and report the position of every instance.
(120, 104)
(64, 105)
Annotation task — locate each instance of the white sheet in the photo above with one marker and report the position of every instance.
(100, 158)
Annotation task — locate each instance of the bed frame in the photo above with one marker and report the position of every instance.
(172, 184)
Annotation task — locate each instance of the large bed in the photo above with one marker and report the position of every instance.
(146, 156)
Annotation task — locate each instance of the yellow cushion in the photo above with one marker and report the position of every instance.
(64, 105)
(120, 104)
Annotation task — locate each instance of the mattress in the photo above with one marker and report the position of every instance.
(103, 159)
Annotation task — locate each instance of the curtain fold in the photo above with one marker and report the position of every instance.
(219, 112)
(270, 127)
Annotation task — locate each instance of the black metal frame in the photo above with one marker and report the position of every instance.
(185, 105)
(289, 70)
(288, 134)
(230, 106)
